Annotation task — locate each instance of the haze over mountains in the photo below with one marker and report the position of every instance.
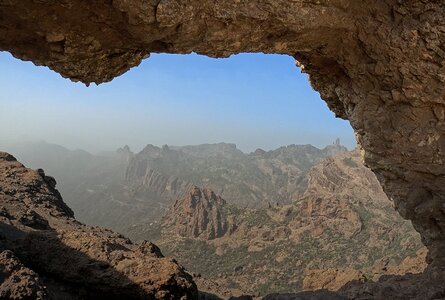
(111, 188)
(293, 218)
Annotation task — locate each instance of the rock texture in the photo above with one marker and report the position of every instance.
(334, 279)
(199, 214)
(17, 281)
(47, 254)
(91, 185)
(317, 295)
(410, 286)
(343, 228)
(330, 278)
(379, 64)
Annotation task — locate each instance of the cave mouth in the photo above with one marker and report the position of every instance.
(379, 65)
(261, 86)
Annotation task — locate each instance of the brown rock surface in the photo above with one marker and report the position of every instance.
(409, 286)
(72, 260)
(334, 279)
(198, 215)
(17, 281)
(330, 279)
(316, 295)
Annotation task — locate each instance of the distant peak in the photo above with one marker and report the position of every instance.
(205, 193)
(259, 152)
(150, 147)
(125, 149)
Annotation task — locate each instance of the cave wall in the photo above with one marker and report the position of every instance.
(378, 63)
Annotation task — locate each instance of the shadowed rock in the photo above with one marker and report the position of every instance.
(55, 257)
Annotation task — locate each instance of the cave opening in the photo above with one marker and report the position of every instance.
(257, 101)
(378, 64)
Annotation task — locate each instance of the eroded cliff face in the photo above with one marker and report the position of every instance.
(379, 64)
(343, 228)
(169, 173)
(198, 215)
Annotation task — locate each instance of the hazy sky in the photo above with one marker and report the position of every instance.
(253, 100)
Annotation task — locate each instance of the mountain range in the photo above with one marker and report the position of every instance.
(342, 228)
(291, 219)
(109, 189)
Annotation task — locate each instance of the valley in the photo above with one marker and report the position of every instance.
(291, 219)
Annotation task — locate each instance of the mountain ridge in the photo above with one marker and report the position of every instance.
(141, 186)
(343, 228)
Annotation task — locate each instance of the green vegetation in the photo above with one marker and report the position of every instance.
(257, 218)
(272, 254)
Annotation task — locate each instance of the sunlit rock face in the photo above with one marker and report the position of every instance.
(379, 64)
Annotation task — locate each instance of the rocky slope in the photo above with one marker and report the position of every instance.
(199, 215)
(342, 228)
(91, 185)
(46, 254)
(351, 242)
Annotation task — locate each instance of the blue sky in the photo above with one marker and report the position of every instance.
(252, 100)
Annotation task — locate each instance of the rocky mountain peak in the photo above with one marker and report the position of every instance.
(151, 150)
(205, 196)
(125, 150)
(250, 180)
(341, 228)
(124, 154)
(200, 214)
(258, 152)
(334, 149)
